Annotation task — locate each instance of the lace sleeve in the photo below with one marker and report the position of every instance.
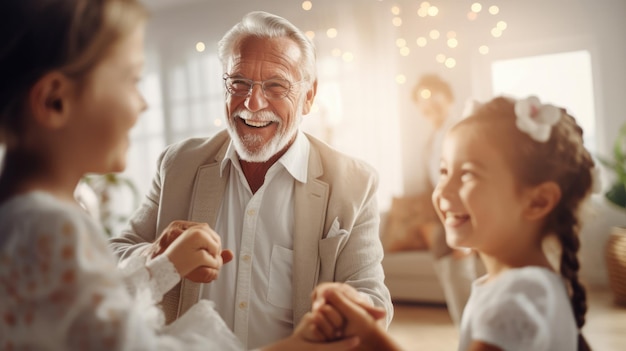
(514, 316)
(158, 275)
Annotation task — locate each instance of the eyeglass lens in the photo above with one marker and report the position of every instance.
(272, 88)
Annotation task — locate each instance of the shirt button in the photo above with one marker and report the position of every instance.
(251, 212)
(246, 258)
(243, 305)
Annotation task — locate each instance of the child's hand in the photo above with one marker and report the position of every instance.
(359, 320)
(167, 237)
(308, 330)
(350, 293)
(330, 321)
(323, 324)
(362, 322)
(204, 274)
(307, 337)
(196, 253)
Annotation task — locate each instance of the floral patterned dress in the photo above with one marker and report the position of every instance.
(60, 288)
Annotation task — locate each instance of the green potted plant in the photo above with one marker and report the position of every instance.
(616, 246)
(117, 197)
(617, 193)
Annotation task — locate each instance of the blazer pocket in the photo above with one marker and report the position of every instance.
(329, 251)
(280, 280)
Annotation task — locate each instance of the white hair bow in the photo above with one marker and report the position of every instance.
(536, 119)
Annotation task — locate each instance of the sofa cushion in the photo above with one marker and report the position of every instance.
(409, 224)
(409, 263)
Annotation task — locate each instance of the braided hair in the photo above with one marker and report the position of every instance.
(561, 159)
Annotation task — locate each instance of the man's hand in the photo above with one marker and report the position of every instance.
(205, 274)
(318, 298)
(301, 340)
(193, 248)
(330, 321)
(360, 323)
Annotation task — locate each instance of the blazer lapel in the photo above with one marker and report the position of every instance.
(208, 191)
(311, 200)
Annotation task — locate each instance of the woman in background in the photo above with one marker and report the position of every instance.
(456, 269)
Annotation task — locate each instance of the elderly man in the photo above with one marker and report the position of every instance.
(295, 211)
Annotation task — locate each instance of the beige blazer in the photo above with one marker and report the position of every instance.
(188, 186)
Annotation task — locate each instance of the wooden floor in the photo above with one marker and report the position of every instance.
(428, 327)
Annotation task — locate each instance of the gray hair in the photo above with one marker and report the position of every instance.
(266, 25)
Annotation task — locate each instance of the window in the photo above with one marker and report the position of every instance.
(188, 102)
(148, 135)
(195, 97)
(563, 79)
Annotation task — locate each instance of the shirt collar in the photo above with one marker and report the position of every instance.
(295, 160)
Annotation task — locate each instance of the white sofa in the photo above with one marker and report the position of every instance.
(410, 275)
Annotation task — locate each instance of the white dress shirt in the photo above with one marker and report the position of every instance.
(253, 293)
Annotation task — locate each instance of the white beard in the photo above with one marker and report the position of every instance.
(249, 147)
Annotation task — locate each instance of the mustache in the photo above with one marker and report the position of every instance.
(261, 116)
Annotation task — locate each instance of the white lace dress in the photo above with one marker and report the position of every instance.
(523, 309)
(60, 288)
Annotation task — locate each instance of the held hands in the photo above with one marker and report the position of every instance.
(193, 248)
(361, 322)
(296, 342)
(339, 311)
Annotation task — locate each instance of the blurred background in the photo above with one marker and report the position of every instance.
(370, 55)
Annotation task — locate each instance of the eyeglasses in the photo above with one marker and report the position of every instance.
(276, 88)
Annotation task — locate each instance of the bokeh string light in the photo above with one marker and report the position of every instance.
(444, 43)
